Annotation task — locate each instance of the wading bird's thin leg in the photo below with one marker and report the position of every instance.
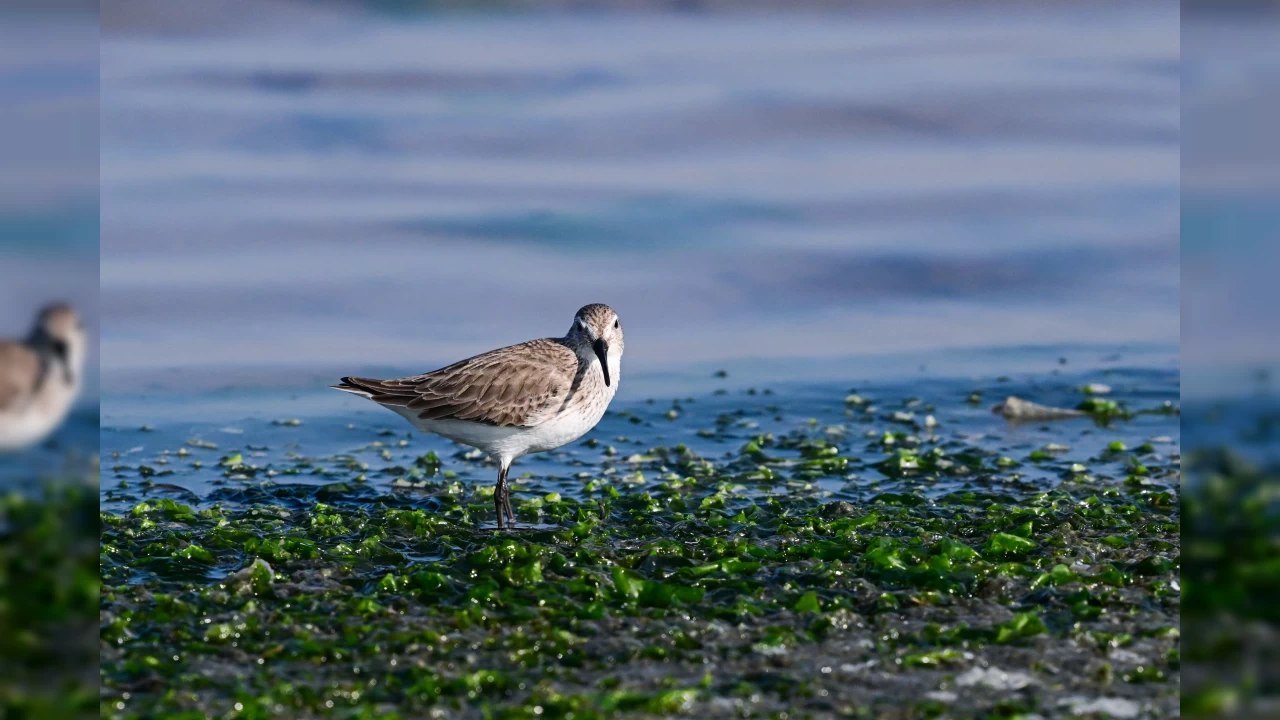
(498, 493)
(506, 500)
(506, 497)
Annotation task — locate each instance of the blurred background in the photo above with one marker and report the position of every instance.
(49, 253)
(1230, 355)
(296, 189)
(49, 202)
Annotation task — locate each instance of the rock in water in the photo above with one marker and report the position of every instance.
(1015, 408)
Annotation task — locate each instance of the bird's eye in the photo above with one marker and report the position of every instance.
(615, 324)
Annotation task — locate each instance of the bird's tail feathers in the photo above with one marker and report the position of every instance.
(353, 386)
(375, 390)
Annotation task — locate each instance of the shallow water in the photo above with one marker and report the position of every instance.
(407, 191)
(314, 436)
(809, 200)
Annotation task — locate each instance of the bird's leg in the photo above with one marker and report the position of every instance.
(506, 500)
(498, 494)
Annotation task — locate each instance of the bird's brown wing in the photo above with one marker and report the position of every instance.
(514, 386)
(20, 369)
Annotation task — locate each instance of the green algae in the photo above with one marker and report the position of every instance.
(1230, 579)
(839, 568)
(49, 590)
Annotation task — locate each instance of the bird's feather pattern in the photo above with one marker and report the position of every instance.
(517, 386)
(20, 368)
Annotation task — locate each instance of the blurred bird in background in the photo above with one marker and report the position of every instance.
(40, 377)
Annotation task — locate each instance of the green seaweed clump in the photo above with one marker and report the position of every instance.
(1230, 582)
(49, 603)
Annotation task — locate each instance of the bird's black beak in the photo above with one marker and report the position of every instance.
(602, 351)
(60, 351)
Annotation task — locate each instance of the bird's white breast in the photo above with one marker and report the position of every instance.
(35, 420)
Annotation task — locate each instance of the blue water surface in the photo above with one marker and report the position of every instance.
(915, 205)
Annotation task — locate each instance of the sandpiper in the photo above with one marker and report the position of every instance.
(40, 377)
(516, 400)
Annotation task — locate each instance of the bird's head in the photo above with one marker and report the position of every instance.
(597, 331)
(59, 332)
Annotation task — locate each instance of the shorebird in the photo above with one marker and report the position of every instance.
(516, 400)
(40, 377)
